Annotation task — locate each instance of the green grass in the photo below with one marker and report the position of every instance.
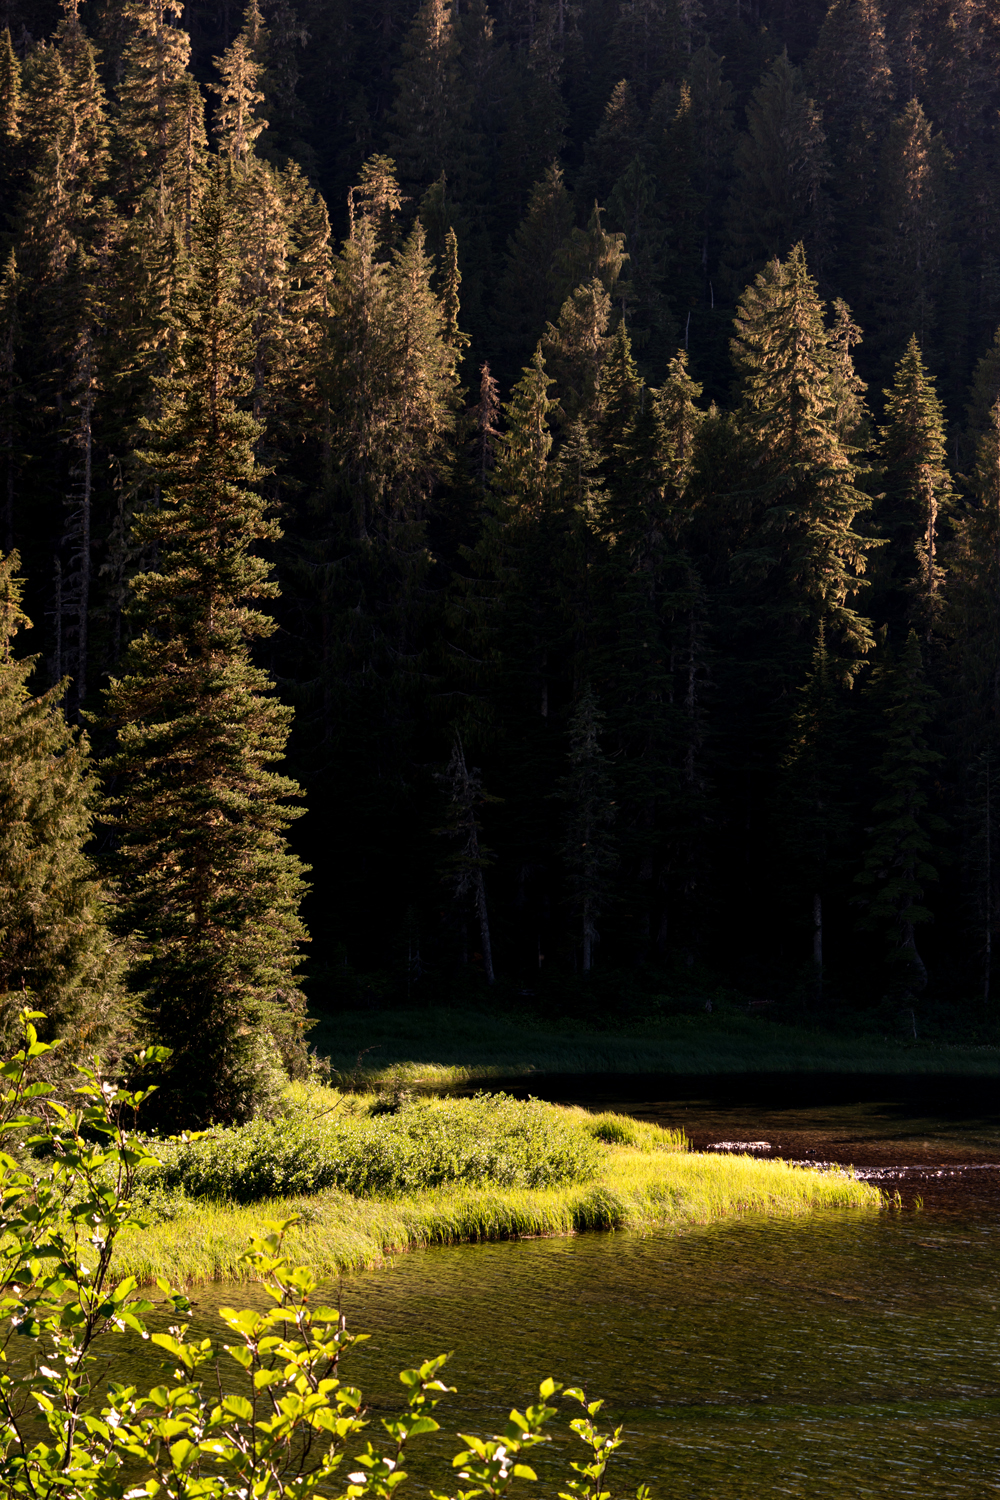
(439, 1049)
(634, 1190)
(628, 1175)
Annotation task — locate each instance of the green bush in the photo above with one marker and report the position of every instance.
(491, 1139)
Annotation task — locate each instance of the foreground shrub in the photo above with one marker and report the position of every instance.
(493, 1139)
(274, 1420)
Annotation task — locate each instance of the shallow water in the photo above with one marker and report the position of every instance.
(849, 1353)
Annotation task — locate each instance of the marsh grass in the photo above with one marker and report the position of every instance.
(327, 1141)
(634, 1189)
(439, 1049)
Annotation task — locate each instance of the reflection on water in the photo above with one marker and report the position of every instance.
(839, 1354)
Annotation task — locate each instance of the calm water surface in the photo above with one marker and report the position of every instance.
(839, 1354)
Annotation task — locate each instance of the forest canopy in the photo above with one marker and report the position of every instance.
(535, 463)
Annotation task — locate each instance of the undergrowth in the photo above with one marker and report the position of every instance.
(366, 1150)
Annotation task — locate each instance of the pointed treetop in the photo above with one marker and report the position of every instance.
(376, 200)
(240, 67)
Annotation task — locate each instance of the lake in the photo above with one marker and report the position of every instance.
(837, 1354)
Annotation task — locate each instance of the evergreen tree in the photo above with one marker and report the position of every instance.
(850, 72)
(237, 120)
(812, 807)
(205, 880)
(577, 347)
(907, 257)
(614, 143)
(589, 851)
(53, 934)
(917, 497)
(160, 141)
(432, 106)
(533, 285)
(802, 498)
(467, 864)
(897, 866)
(779, 196)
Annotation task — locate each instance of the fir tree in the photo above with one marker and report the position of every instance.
(897, 867)
(917, 496)
(589, 849)
(802, 495)
(432, 106)
(812, 806)
(533, 285)
(850, 72)
(907, 250)
(205, 878)
(467, 864)
(779, 196)
(160, 141)
(53, 935)
(237, 120)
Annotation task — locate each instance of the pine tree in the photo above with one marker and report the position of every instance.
(53, 934)
(897, 867)
(908, 257)
(801, 498)
(973, 678)
(432, 107)
(850, 72)
(237, 120)
(779, 197)
(589, 849)
(812, 805)
(9, 394)
(160, 141)
(533, 285)
(577, 346)
(204, 875)
(917, 496)
(614, 142)
(467, 864)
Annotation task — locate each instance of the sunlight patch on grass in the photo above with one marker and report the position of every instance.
(635, 1189)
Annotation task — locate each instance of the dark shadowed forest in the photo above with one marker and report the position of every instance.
(571, 432)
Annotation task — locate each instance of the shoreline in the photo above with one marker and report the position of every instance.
(440, 1049)
(338, 1233)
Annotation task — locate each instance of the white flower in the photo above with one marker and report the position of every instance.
(358, 1478)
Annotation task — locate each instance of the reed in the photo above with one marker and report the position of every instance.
(635, 1188)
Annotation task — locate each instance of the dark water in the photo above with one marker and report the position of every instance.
(848, 1353)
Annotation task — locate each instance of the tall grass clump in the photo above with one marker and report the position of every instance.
(495, 1140)
(622, 1130)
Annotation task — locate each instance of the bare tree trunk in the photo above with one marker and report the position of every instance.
(818, 943)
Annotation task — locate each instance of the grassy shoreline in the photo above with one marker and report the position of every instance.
(441, 1049)
(634, 1190)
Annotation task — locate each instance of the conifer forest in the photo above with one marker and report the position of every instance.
(504, 493)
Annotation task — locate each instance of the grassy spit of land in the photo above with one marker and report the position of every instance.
(440, 1049)
(497, 1169)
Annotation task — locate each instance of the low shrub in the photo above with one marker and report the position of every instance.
(495, 1139)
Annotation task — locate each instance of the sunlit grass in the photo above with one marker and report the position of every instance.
(635, 1189)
